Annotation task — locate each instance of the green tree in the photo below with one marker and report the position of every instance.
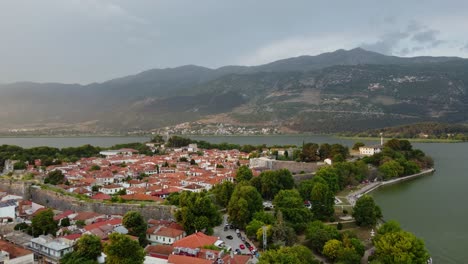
(65, 222)
(197, 212)
(87, 249)
(244, 203)
(288, 255)
(391, 169)
(331, 175)
(135, 224)
(264, 217)
(281, 233)
(123, 250)
(43, 223)
(400, 247)
(274, 181)
(389, 227)
(318, 234)
(357, 145)
(80, 223)
(309, 152)
(332, 249)
(55, 177)
(252, 228)
(223, 193)
(323, 201)
(290, 204)
(95, 168)
(366, 212)
(243, 174)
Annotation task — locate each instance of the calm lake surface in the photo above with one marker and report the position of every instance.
(434, 207)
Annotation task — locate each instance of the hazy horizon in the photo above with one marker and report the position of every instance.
(93, 41)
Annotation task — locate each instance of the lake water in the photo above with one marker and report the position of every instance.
(433, 207)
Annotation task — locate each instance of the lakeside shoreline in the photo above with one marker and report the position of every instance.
(418, 140)
(353, 196)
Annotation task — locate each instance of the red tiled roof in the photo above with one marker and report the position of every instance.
(112, 222)
(13, 250)
(177, 259)
(101, 196)
(197, 240)
(159, 251)
(63, 215)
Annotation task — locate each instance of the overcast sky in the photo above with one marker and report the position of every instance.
(85, 41)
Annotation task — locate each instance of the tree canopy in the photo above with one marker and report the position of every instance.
(121, 249)
(366, 212)
(400, 247)
(244, 203)
(288, 255)
(43, 223)
(136, 226)
(243, 174)
(197, 212)
(55, 177)
(87, 249)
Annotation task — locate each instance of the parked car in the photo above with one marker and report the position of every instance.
(242, 238)
(229, 237)
(241, 246)
(237, 251)
(247, 244)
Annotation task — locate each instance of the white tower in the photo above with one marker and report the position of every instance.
(381, 139)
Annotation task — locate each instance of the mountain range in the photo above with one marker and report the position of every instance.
(344, 90)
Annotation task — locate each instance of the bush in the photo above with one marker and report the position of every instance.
(339, 226)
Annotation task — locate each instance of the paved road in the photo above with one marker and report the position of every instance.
(366, 256)
(235, 242)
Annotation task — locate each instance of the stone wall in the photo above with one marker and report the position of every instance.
(62, 202)
(295, 167)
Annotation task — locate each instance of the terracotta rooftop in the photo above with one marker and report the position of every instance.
(197, 240)
(178, 259)
(13, 250)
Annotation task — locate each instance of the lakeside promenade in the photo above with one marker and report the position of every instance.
(353, 196)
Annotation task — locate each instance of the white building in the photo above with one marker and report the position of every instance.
(111, 189)
(370, 150)
(164, 235)
(12, 254)
(51, 249)
(8, 209)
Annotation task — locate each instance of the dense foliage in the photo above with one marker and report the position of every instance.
(197, 212)
(269, 183)
(393, 245)
(398, 158)
(43, 223)
(87, 249)
(366, 212)
(288, 255)
(135, 224)
(244, 203)
(55, 177)
(121, 249)
(52, 156)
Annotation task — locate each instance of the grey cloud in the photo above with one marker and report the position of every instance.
(421, 36)
(387, 42)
